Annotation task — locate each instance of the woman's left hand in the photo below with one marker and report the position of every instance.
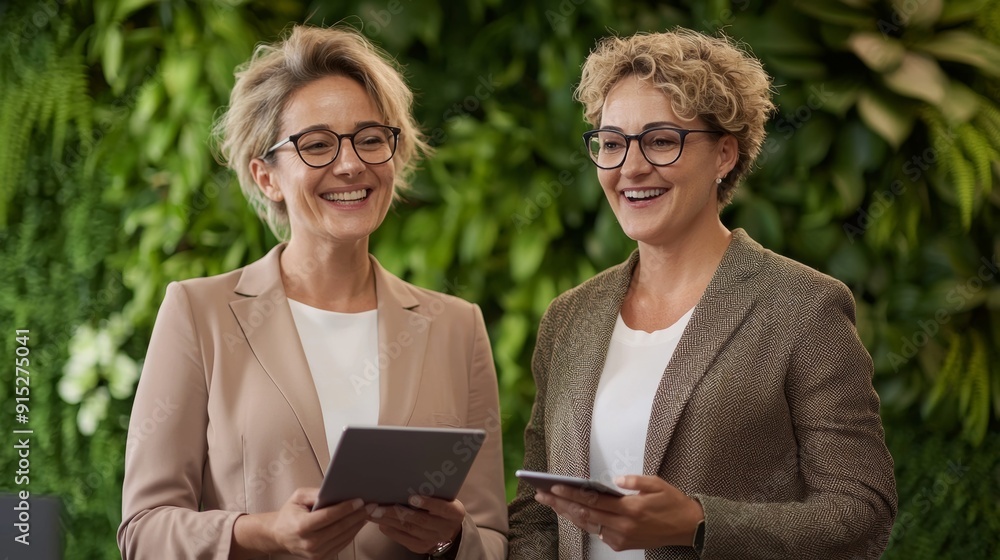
(421, 527)
(659, 515)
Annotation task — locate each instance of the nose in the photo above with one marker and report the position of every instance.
(347, 163)
(635, 163)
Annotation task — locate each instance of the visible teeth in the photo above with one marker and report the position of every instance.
(648, 193)
(346, 196)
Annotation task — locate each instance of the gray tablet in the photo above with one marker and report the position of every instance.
(545, 481)
(388, 464)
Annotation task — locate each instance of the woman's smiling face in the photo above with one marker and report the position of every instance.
(655, 204)
(345, 201)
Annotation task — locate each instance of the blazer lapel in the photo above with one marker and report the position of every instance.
(588, 352)
(403, 328)
(720, 311)
(592, 342)
(269, 327)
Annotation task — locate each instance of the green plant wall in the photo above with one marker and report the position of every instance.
(880, 169)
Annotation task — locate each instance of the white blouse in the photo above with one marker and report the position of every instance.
(632, 371)
(342, 351)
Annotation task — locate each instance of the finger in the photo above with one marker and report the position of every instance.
(342, 538)
(448, 509)
(326, 517)
(415, 524)
(589, 498)
(578, 514)
(305, 497)
(417, 545)
(642, 483)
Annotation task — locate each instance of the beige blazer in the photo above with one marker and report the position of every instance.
(765, 413)
(227, 420)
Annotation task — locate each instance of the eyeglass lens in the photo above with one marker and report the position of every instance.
(660, 146)
(373, 144)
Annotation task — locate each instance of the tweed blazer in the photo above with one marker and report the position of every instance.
(226, 418)
(765, 413)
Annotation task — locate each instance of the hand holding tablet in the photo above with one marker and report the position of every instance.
(389, 464)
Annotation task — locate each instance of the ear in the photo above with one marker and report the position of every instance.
(728, 154)
(264, 178)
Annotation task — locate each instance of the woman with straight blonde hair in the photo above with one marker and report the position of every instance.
(251, 376)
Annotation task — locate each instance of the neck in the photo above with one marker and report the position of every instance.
(334, 277)
(688, 260)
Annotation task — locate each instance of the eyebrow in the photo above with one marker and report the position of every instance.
(646, 126)
(357, 125)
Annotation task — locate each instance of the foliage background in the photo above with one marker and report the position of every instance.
(879, 170)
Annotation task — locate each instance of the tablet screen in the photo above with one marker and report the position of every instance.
(388, 464)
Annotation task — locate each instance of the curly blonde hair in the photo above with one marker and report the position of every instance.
(703, 76)
(268, 80)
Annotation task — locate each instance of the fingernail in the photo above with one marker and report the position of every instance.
(416, 501)
(370, 508)
(619, 480)
(357, 504)
(378, 512)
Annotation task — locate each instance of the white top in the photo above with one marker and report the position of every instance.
(342, 351)
(632, 371)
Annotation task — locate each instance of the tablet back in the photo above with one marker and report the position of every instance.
(388, 464)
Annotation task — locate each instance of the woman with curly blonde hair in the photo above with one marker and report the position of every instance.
(722, 387)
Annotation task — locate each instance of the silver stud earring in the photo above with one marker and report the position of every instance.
(718, 180)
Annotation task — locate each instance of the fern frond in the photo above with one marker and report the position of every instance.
(988, 121)
(974, 401)
(978, 148)
(950, 370)
(964, 177)
(16, 120)
(995, 383)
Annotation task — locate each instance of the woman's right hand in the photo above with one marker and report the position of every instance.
(296, 529)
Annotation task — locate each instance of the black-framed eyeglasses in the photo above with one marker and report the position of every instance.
(374, 144)
(660, 146)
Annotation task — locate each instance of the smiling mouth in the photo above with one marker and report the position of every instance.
(346, 197)
(644, 194)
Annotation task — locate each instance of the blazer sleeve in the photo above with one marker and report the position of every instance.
(167, 448)
(534, 531)
(850, 501)
(484, 530)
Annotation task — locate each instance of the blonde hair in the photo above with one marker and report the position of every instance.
(264, 84)
(703, 76)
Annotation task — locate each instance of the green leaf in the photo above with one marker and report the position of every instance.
(919, 13)
(849, 264)
(918, 77)
(839, 95)
(124, 8)
(111, 56)
(761, 220)
(961, 102)
(813, 141)
(889, 120)
(780, 32)
(798, 67)
(964, 47)
(957, 11)
(878, 52)
(526, 254)
(833, 11)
